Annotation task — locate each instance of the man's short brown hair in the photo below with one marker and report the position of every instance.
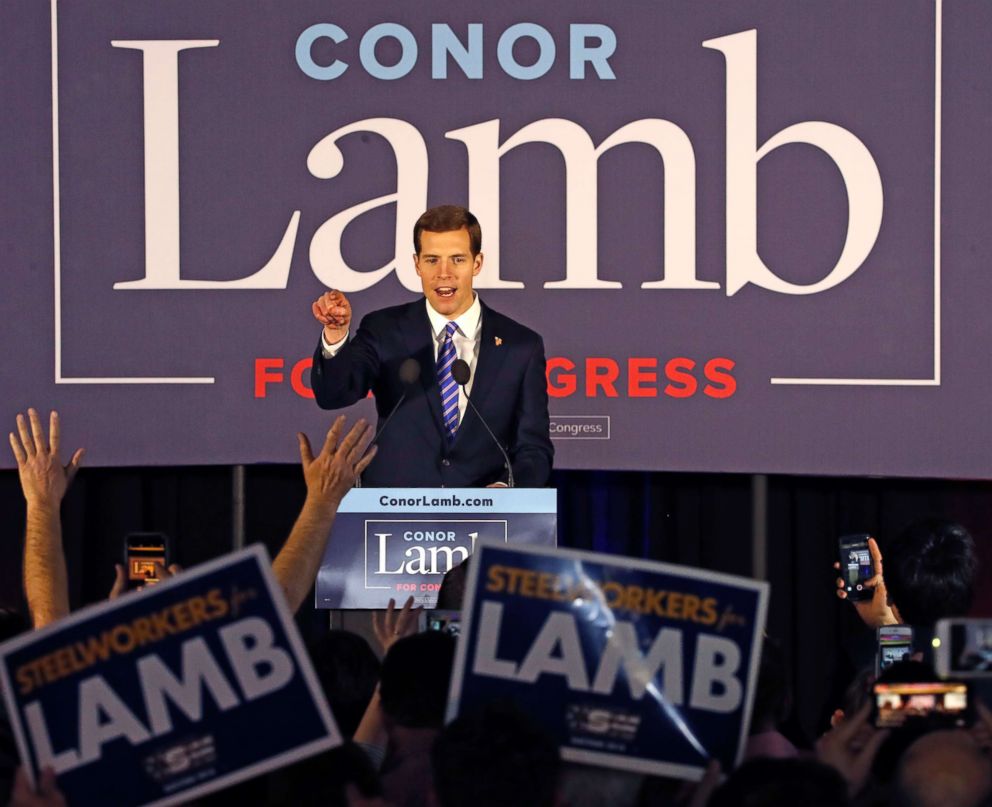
(446, 218)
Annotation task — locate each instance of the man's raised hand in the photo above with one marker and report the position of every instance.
(393, 624)
(44, 479)
(850, 747)
(333, 311)
(332, 473)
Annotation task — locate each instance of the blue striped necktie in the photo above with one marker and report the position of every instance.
(449, 389)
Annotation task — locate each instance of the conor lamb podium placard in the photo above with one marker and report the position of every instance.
(391, 543)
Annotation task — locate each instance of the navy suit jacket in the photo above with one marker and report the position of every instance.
(509, 389)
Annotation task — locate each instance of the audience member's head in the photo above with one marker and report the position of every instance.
(943, 769)
(495, 757)
(891, 753)
(414, 680)
(452, 592)
(590, 786)
(324, 780)
(773, 693)
(318, 781)
(348, 671)
(930, 571)
(766, 782)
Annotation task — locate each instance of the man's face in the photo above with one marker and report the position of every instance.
(446, 267)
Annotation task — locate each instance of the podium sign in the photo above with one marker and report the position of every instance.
(397, 542)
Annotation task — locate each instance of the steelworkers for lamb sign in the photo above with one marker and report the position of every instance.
(728, 219)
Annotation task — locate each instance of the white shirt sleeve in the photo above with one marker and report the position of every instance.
(330, 351)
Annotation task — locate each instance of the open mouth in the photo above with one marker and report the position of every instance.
(445, 292)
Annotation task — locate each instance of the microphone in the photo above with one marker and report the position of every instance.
(462, 374)
(409, 373)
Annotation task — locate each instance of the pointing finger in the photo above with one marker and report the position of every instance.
(318, 313)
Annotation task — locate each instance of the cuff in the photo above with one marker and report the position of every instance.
(329, 350)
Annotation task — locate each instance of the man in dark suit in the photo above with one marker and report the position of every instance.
(435, 439)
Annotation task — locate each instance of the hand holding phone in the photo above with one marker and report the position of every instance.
(863, 576)
(857, 566)
(146, 557)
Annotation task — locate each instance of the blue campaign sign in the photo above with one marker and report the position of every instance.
(630, 664)
(392, 543)
(169, 693)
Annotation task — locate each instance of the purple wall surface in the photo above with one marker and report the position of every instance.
(753, 234)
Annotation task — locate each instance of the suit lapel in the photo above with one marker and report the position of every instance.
(490, 361)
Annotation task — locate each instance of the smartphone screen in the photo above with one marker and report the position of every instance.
(442, 620)
(935, 703)
(142, 550)
(855, 566)
(895, 643)
(965, 647)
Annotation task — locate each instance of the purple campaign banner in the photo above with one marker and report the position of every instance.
(752, 234)
(393, 543)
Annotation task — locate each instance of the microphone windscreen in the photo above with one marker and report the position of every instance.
(460, 372)
(409, 371)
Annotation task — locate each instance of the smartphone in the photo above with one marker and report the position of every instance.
(142, 550)
(929, 704)
(964, 648)
(855, 565)
(895, 643)
(442, 620)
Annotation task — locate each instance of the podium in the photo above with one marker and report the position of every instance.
(391, 543)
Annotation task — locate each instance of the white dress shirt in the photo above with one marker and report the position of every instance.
(466, 341)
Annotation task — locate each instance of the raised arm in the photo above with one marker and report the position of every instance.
(329, 476)
(44, 481)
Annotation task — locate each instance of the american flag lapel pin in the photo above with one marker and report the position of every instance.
(498, 341)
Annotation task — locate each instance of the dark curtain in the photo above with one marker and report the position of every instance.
(695, 519)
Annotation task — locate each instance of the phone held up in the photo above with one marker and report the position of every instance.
(921, 704)
(895, 643)
(963, 648)
(142, 551)
(442, 620)
(856, 567)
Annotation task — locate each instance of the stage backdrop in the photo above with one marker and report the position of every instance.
(753, 234)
